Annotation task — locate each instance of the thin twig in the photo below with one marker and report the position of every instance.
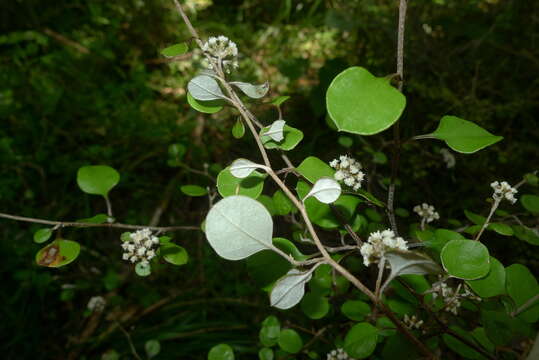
(492, 210)
(526, 305)
(62, 224)
(131, 345)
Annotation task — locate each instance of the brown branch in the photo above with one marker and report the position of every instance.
(91, 225)
(64, 40)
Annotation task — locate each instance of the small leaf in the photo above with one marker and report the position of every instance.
(292, 137)
(355, 310)
(152, 347)
(491, 285)
(465, 259)
(174, 254)
(253, 91)
(97, 219)
(279, 100)
(270, 331)
(221, 352)
(143, 269)
(290, 341)
(314, 305)
(526, 234)
(238, 226)
(193, 190)
(275, 131)
(229, 185)
(500, 228)
(289, 290)
(410, 262)
(265, 354)
(97, 180)
(238, 130)
(361, 340)
(312, 168)
(325, 190)
(175, 50)
(521, 287)
(463, 136)
(360, 103)
(205, 88)
(530, 203)
(58, 253)
(42, 235)
(206, 107)
(242, 168)
(282, 204)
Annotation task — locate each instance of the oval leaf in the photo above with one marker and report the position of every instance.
(279, 100)
(58, 253)
(205, 88)
(290, 341)
(251, 186)
(360, 341)
(291, 138)
(463, 136)
(97, 179)
(325, 190)
(238, 226)
(206, 107)
(175, 50)
(360, 103)
(238, 130)
(221, 352)
(269, 333)
(174, 254)
(314, 305)
(289, 290)
(253, 91)
(241, 168)
(193, 190)
(42, 235)
(491, 285)
(275, 131)
(152, 347)
(465, 259)
(530, 203)
(521, 287)
(355, 310)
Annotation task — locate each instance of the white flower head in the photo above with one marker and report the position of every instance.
(338, 354)
(448, 158)
(348, 171)
(96, 304)
(426, 212)
(503, 191)
(222, 49)
(140, 248)
(378, 243)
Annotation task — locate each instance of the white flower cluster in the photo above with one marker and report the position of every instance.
(96, 304)
(503, 190)
(348, 171)
(426, 212)
(450, 296)
(223, 50)
(139, 247)
(338, 354)
(449, 158)
(378, 243)
(412, 322)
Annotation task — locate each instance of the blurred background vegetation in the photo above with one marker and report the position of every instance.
(82, 82)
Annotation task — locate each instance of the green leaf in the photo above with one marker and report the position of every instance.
(326, 190)
(500, 228)
(399, 347)
(289, 248)
(463, 136)
(238, 226)
(265, 354)
(370, 197)
(290, 341)
(458, 346)
(360, 103)
(175, 50)
(42, 235)
(476, 219)
(143, 269)
(442, 237)
(499, 326)
(346, 141)
(58, 253)
(193, 190)
(152, 347)
(292, 137)
(465, 259)
(282, 204)
(242, 168)
(361, 340)
(270, 331)
(174, 254)
(206, 107)
(266, 267)
(289, 290)
(521, 287)
(312, 168)
(97, 179)
(491, 285)
(238, 130)
(530, 203)
(314, 306)
(253, 91)
(204, 88)
(355, 310)
(279, 100)
(526, 234)
(480, 336)
(96, 219)
(229, 185)
(221, 352)
(409, 262)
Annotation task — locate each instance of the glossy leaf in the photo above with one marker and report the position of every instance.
(270, 331)
(493, 284)
(206, 107)
(314, 306)
(221, 352)
(522, 286)
(290, 341)
(42, 235)
(312, 168)
(360, 103)
(193, 190)
(251, 186)
(360, 341)
(355, 310)
(97, 179)
(279, 100)
(463, 136)
(238, 130)
(174, 254)
(96, 219)
(238, 226)
(204, 88)
(465, 259)
(289, 290)
(265, 354)
(530, 203)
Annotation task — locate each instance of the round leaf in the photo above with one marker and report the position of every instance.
(193, 190)
(465, 259)
(97, 179)
(292, 138)
(174, 254)
(58, 253)
(42, 235)
(491, 285)
(314, 306)
(206, 107)
(270, 331)
(360, 103)
(530, 203)
(355, 309)
(204, 88)
(290, 341)
(152, 348)
(463, 136)
(221, 352)
(360, 341)
(143, 269)
(251, 186)
(325, 190)
(238, 226)
(275, 131)
(265, 354)
(242, 168)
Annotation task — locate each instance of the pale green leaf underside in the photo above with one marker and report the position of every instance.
(289, 290)
(204, 88)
